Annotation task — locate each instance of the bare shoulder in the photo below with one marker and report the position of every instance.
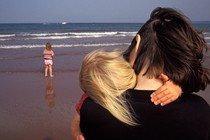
(45, 51)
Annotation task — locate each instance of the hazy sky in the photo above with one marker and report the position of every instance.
(36, 11)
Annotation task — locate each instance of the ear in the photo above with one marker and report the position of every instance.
(133, 53)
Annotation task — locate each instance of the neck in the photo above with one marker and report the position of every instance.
(145, 83)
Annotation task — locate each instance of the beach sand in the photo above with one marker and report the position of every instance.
(33, 107)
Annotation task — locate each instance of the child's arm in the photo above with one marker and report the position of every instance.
(75, 129)
(53, 53)
(167, 93)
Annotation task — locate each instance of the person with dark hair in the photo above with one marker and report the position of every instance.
(171, 45)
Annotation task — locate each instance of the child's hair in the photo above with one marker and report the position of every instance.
(48, 46)
(104, 77)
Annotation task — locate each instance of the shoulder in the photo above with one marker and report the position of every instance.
(92, 113)
(90, 106)
(91, 110)
(193, 97)
(196, 101)
(52, 52)
(46, 51)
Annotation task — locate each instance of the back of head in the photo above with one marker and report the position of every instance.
(105, 76)
(171, 45)
(48, 46)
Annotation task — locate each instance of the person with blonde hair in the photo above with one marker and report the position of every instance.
(102, 80)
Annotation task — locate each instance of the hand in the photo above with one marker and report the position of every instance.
(80, 137)
(75, 129)
(138, 38)
(167, 93)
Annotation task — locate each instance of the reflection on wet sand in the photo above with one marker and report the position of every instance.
(50, 96)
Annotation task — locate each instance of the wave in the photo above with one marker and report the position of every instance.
(27, 36)
(4, 39)
(63, 45)
(48, 37)
(67, 35)
(86, 36)
(6, 35)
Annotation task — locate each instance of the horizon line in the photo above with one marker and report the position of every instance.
(82, 22)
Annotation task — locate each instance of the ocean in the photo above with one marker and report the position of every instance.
(66, 35)
(74, 34)
(22, 44)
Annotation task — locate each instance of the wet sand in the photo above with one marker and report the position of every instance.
(31, 106)
(35, 108)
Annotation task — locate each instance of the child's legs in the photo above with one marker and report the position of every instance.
(46, 69)
(50, 69)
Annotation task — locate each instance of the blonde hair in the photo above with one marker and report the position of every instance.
(105, 76)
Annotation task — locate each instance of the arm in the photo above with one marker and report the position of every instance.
(53, 53)
(135, 49)
(75, 129)
(167, 93)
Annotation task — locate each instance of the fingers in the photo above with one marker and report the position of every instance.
(138, 38)
(167, 100)
(163, 98)
(161, 91)
(157, 98)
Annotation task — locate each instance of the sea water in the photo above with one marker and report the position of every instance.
(21, 45)
(35, 35)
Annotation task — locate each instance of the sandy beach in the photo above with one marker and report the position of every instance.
(35, 107)
(28, 112)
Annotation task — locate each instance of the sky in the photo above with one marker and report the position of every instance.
(95, 11)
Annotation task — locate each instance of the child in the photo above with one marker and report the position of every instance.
(48, 56)
(101, 80)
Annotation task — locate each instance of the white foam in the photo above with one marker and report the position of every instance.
(63, 45)
(1, 39)
(41, 34)
(9, 35)
(49, 37)
(76, 35)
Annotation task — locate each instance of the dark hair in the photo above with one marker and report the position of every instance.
(48, 46)
(170, 45)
